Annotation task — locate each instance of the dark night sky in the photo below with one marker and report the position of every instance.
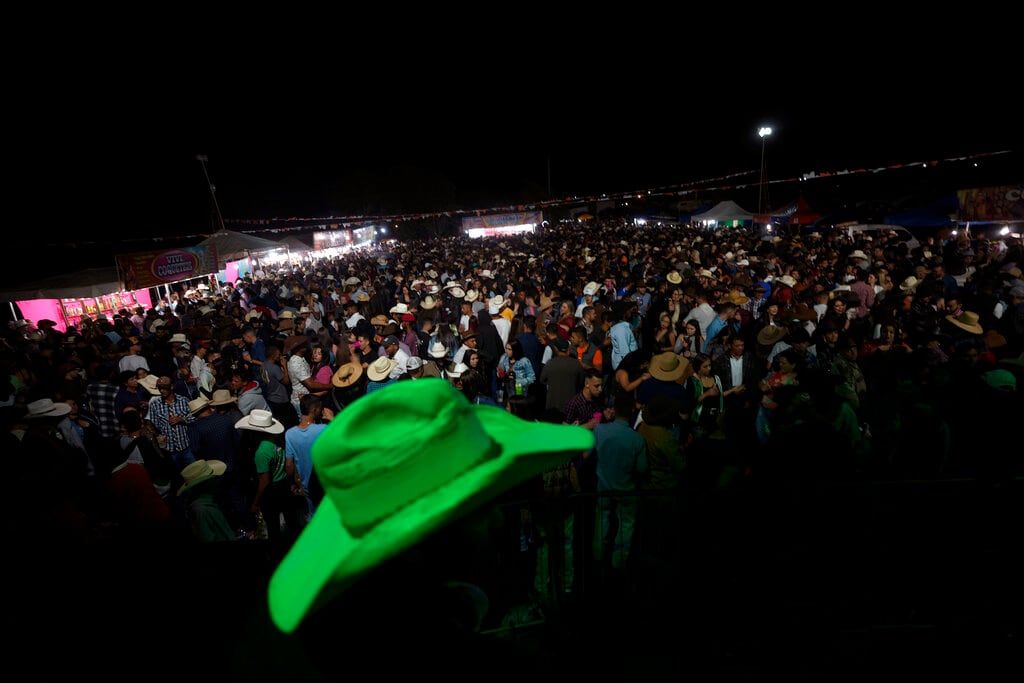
(130, 174)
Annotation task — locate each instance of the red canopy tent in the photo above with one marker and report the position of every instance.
(797, 212)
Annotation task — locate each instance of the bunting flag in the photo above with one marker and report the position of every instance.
(727, 182)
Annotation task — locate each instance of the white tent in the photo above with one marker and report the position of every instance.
(233, 246)
(723, 212)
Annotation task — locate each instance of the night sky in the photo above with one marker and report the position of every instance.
(130, 179)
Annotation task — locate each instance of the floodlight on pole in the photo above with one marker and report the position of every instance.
(762, 187)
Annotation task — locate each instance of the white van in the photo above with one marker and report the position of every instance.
(872, 230)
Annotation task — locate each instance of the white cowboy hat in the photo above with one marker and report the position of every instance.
(45, 407)
(260, 421)
(438, 350)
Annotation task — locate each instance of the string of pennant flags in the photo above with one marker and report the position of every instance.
(728, 182)
(719, 183)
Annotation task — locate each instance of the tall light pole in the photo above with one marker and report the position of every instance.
(762, 184)
(202, 158)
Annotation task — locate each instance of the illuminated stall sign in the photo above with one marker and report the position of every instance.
(153, 268)
(502, 224)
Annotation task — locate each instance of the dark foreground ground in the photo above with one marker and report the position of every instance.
(860, 582)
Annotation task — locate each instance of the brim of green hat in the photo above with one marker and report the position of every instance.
(326, 559)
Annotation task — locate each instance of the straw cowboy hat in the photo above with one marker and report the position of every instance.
(149, 384)
(735, 296)
(260, 421)
(967, 321)
(178, 338)
(674, 277)
(428, 303)
(399, 308)
(347, 374)
(788, 280)
(457, 292)
(545, 302)
(45, 407)
(380, 501)
(591, 288)
(381, 368)
(669, 367)
(222, 397)
(379, 319)
(200, 471)
(471, 295)
(858, 254)
(198, 405)
(770, 335)
(909, 286)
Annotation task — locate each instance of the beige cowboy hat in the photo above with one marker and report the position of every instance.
(149, 384)
(669, 367)
(967, 321)
(199, 471)
(198, 404)
(381, 368)
(222, 397)
(347, 375)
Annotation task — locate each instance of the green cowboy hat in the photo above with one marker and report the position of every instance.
(397, 465)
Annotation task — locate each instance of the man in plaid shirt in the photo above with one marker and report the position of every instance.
(102, 393)
(171, 416)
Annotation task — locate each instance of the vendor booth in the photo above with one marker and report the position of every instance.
(66, 298)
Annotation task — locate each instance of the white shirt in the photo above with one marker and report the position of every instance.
(132, 362)
(504, 328)
(402, 358)
(736, 365)
(353, 320)
(703, 314)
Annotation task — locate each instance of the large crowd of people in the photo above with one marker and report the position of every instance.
(703, 360)
(900, 359)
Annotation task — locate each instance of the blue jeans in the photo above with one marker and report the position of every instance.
(182, 458)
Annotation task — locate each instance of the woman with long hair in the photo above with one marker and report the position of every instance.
(566, 319)
(320, 364)
(689, 340)
(514, 361)
(664, 334)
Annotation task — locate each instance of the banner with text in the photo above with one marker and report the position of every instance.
(1002, 203)
(152, 268)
